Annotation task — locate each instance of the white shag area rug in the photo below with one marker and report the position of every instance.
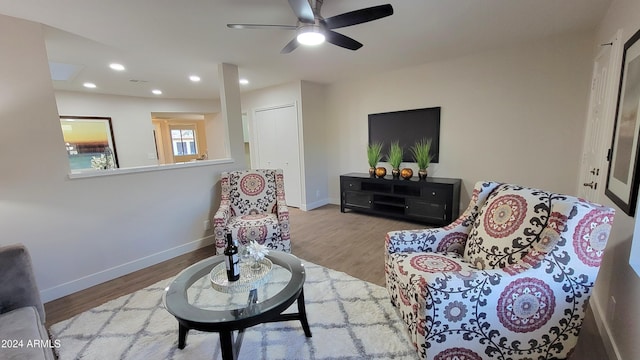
(349, 319)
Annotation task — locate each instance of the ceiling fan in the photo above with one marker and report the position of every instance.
(313, 29)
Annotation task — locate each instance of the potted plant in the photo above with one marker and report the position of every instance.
(395, 158)
(421, 155)
(374, 155)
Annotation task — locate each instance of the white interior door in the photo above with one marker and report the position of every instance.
(594, 166)
(277, 147)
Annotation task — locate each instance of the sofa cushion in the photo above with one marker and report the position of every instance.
(258, 228)
(24, 336)
(18, 284)
(407, 276)
(252, 192)
(507, 227)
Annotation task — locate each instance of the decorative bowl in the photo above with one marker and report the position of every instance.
(406, 173)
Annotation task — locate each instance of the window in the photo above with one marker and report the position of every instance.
(182, 137)
(183, 140)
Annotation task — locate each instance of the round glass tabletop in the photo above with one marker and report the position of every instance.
(214, 292)
(193, 300)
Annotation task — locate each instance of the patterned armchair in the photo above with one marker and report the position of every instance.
(509, 279)
(253, 207)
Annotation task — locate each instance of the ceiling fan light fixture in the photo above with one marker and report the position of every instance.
(310, 35)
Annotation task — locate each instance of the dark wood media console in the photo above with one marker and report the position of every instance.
(434, 201)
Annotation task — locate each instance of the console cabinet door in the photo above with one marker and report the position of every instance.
(427, 210)
(357, 199)
(436, 194)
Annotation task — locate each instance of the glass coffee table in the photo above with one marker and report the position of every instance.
(200, 301)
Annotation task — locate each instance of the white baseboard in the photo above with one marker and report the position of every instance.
(604, 330)
(88, 281)
(313, 205)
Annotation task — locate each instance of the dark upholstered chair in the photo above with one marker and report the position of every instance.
(22, 316)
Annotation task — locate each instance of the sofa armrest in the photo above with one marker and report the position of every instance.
(283, 220)
(18, 286)
(450, 238)
(422, 240)
(220, 220)
(283, 210)
(281, 205)
(223, 213)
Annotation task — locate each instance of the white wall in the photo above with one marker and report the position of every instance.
(314, 128)
(216, 129)
(131, 119)
(616, 278)
(512, 115)
(284, 94)
(311, 102)
(309, 98)
(85, 231)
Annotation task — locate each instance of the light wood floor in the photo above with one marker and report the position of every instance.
(350, 242)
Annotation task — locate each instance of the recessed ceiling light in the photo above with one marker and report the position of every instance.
(194, 78)
(89, 85)
(243, 81)
(156, 91)
(116, 66)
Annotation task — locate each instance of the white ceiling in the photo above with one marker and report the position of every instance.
(162, 42)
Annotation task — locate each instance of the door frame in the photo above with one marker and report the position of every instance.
(608, 116)
(254, 144)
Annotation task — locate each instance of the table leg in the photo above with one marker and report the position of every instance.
(253, 297)
(182, 336)
(303, 314)
(226, 345)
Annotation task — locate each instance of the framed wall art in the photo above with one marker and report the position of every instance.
(622, 178)
(89, 143)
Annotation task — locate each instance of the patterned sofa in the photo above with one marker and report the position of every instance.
(509, 279)
(253, 208)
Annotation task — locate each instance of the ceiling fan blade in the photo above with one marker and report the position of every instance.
(292, 45)
(303, 11)
(342, 40)
(260, 26)
(358, 16)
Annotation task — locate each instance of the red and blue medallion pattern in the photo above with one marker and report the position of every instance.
(458, 353)
(591, 237)
(253, 233)
(508, 280)
(526, 305)
(253, 207)
(505, 215)
(433, 263)
(252, 184)
(453, 242)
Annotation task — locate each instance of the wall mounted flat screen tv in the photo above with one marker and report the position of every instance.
(406, 127)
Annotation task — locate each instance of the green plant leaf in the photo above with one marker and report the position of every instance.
(395, 155)
(420, 151)
(374, 154)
